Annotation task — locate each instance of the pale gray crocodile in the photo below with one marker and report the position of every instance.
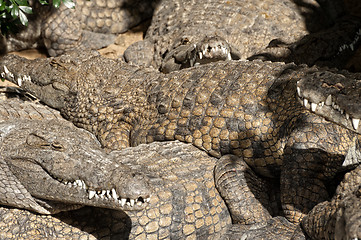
(91, 25)
(47, 165)
(183, 200)
(186, 33)
(244, 108)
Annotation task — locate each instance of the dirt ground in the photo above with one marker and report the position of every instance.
(112, 51)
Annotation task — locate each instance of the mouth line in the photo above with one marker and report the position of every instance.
(105, 194)
(328, 105)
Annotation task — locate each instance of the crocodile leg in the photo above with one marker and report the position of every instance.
(246, 194)
(339, 218)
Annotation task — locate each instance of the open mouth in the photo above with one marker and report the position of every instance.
(106, 194)
(329, 109)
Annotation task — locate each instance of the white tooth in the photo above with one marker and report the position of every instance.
(139, 203)
(103, 193)
(200, 55)
(123, 201)
(322, 104)
(147, 200)
(114, 194)
(340, 49)
(347, 116)
(84, 185)
(351, 46)
(6, 70)
(328, 101)
(229, 56)
(341, 111)
(108, 194)
(305, 102)
(19, 81)
(313, 106)
(355, 122)
(91, 194)
(11, 75)
(299, 91)
(65, 182)
(132, 202)
(3, 75)
(128, 203)
(79, 183)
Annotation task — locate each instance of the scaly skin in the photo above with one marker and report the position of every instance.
(184, 204)
(332, 47)
(91, 25)
(179, 28)
(334, 97)
(42, 161)
(339, 218)
(248, 109)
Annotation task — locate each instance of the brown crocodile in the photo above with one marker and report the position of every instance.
(339, 218)
(186, 33)
(244, 108)
(90, 25)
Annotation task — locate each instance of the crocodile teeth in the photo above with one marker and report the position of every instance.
(229, 56)
(3, 75)
(6, 70)
(123, 201)
(355, 122)
(299, 91)
(132, 202)
(19, 81)
(347, 116)
(328, 101)
(313, 106)
(114, 194)
(200, 55)
(147, 200)
(91, 194)
(305, 103)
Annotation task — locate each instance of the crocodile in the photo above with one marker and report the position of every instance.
(248, 109)
(184, 200)
(41, 161)
(339, 218)
(333, 47)
(90, 25)
(186, 33)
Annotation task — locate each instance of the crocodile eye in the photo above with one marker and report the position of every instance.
(57, 146)
(185, 40)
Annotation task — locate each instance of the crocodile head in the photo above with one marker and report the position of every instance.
(190, 52)
(334, 96)
(52, 80)
(66, 164)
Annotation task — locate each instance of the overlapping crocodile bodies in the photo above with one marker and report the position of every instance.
(248, 109)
